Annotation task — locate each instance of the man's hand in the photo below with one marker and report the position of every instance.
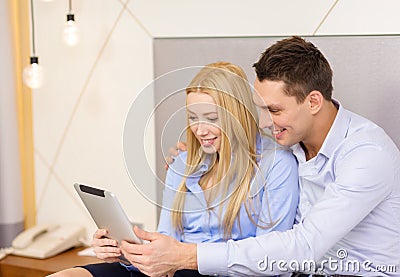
(173, 152)
(106, 249)
(162, 256)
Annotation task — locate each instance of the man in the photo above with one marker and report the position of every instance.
(348, 219)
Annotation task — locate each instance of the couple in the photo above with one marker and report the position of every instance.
(348, 215)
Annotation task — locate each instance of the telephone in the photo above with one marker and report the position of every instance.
(43, 241)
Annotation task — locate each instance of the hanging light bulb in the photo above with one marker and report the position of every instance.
(71, 31)
(32, 74)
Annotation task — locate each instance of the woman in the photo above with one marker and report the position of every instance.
(233, 182)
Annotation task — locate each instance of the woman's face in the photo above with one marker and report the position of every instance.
(204, 121)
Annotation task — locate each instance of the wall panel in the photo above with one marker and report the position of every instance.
(366, 77)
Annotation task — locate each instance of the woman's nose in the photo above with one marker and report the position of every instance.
(202, 128)
(265, 120)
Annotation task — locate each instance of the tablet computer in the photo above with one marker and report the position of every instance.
(107, 213)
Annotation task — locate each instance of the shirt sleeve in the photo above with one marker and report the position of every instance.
(362, 180)
(280, 195)
(172, 182)
(165, 224)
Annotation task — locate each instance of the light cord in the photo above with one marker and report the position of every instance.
(33, 31)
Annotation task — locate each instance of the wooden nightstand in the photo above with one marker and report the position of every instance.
(15, 266)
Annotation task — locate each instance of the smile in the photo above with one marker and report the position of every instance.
(277, 133)
(207, 142)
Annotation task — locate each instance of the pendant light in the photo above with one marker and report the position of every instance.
(32, 74)
(71, 32)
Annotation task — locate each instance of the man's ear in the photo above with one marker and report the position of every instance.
(315, 101)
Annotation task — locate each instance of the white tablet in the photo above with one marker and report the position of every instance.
(107, 213)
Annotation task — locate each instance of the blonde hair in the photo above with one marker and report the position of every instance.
(227, 84)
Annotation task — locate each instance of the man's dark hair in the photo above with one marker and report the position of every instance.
(299, 64)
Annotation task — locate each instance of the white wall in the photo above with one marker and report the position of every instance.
(79, 113)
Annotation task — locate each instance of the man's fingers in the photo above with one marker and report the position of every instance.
(173, 151)
(152, 258)
(149, 270)
(169, 160)
(132, 249)
(182, 146)
(138, 260)
(144, 235)
(171, 274)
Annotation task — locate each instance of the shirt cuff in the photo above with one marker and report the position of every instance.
(212, 258)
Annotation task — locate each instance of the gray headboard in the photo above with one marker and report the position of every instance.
(366, 77)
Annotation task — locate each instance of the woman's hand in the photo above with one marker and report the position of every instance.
(106, 249)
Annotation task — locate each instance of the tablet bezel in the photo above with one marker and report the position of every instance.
(107, 213)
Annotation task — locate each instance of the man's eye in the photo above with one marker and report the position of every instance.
(273, 111)
(192, 118)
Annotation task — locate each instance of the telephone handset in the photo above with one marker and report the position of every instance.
(43, 241)
(28, 236)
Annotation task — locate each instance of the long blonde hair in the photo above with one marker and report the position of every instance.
(227, 84)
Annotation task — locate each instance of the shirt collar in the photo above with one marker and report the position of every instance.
(337, 132)
(192, 181)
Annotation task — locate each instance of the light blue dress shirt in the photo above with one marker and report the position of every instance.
(273, 195)
(348, 214)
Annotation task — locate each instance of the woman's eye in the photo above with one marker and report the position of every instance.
(192, 118)
(213, 119)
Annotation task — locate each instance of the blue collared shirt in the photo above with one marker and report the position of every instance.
(274, 196)
(349, 211)
(273, 192)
